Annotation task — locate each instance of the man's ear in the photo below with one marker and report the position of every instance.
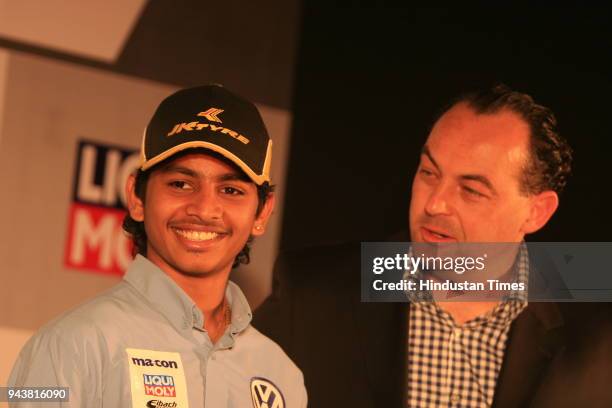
(543, 206)
(259, 227)
(135, 206)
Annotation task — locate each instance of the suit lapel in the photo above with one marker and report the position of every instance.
(534, 338)
(382, 332)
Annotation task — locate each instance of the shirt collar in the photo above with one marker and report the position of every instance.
(175, 305)
(241, 311)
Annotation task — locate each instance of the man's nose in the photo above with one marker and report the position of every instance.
(205, 204)
(439, 201)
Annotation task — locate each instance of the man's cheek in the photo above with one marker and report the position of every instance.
(417, 203)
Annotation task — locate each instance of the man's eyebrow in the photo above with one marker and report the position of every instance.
(179, 169)
(234, 177)
(425, 151)
(480, 179)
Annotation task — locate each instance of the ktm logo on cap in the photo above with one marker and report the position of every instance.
(265, 394)
(212, 114)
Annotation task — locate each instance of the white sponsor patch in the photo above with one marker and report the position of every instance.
(157, 379)
(265, 394)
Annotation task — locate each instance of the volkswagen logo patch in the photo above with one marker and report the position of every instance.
(265, 394)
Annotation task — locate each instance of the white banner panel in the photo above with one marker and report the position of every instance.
(93, 29)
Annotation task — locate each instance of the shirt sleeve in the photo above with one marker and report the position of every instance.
(54, 359)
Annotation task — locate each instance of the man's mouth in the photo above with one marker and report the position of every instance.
(435, 235)
(196, 235)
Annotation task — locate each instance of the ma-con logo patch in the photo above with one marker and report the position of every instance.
(159, 385)
(148, 362)
(157, 379)
(265, 394)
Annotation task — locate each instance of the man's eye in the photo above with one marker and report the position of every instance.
(232, 191)
(473, 192)
(426, 173)
(180, 185)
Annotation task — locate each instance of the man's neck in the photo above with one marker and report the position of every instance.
(208, 294)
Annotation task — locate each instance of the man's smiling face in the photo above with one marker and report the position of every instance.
(467, 185)
(198, 213)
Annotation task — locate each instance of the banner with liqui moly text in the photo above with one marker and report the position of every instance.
(95, 241)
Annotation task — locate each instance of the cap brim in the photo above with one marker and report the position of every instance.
(258, 179)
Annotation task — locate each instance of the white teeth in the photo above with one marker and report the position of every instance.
(197, 235)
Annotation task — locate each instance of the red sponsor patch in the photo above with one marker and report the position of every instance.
(160, 390)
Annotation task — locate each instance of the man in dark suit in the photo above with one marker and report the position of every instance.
(491, 170)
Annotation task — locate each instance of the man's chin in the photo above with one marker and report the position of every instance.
(199, 268)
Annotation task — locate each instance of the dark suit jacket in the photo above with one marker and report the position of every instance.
(353, 354)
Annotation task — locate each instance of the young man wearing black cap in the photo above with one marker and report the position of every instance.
(176, 332)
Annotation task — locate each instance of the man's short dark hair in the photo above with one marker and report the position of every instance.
(550, 156)
(136, 229)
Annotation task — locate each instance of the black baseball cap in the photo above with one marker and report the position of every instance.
(214, 118)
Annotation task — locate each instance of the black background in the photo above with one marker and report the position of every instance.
(370, 81)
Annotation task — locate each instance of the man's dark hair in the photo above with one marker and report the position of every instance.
(550, 156)
(136, 229)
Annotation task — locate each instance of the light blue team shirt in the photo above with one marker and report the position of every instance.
(143, 343)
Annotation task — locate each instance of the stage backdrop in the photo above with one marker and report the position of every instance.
(68, 139)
